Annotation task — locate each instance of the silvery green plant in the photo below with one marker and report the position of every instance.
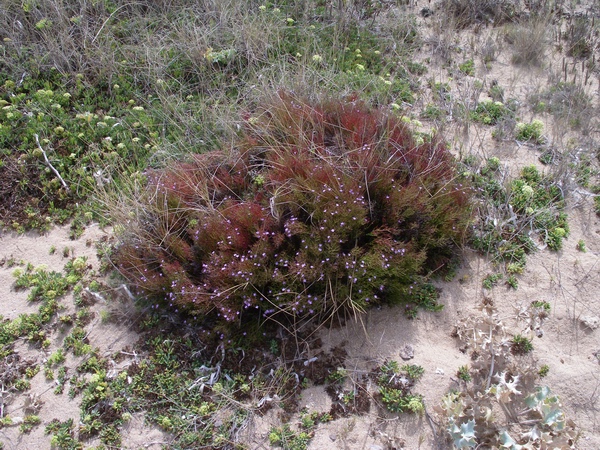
(533, 416)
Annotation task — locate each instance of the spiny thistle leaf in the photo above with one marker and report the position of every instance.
(535, 399)
(553, 416)
(509, 442)
(464, 437)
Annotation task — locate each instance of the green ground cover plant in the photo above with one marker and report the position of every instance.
(468, 67)
(395, 387)
(286, 438)
(530, 132)
(61, 138)
(463, 374)
(490, 112)
(517, 216)
(319, 209)
(46, 287)
(521, 345)
(186, 384)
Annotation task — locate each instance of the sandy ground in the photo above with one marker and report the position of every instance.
(108, 337)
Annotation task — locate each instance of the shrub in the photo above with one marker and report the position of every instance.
(530, 132)
(490, 113)
(566, 101)
(318, 209)
(580, 37)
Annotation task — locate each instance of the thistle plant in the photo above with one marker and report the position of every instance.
(501, 379)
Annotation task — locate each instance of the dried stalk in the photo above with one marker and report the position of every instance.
(49, 164)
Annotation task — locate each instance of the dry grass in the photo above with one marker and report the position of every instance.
(469, 12)
(529, 41)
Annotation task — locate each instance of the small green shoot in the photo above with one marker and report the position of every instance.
(520, 345)
(468, 67)
(492, 280)
(463, 374)
(543, 371)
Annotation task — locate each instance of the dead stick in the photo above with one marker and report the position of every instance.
(489, 380)
(434, 429)
(37, 140)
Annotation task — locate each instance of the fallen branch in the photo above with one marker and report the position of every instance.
(489, 380)
(434, 428)
(49, 164)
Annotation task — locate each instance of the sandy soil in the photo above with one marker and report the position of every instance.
(108, 337)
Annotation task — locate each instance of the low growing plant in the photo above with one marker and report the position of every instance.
(338, 376)
(29, 423)
(512, 282)
(490, 112)
(463, 374)
(530, 132)
(63, 435)
(529, 214)
(502, 407)
(520, 345)
(492, 280)
(395, 387)
(468, 67)
(287, 439)
(397, 401)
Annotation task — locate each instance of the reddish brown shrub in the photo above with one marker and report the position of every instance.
(318, 209)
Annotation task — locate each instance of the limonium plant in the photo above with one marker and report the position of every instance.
(318, 209)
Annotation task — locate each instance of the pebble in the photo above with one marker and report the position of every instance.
(592, 322)
(407, 352)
